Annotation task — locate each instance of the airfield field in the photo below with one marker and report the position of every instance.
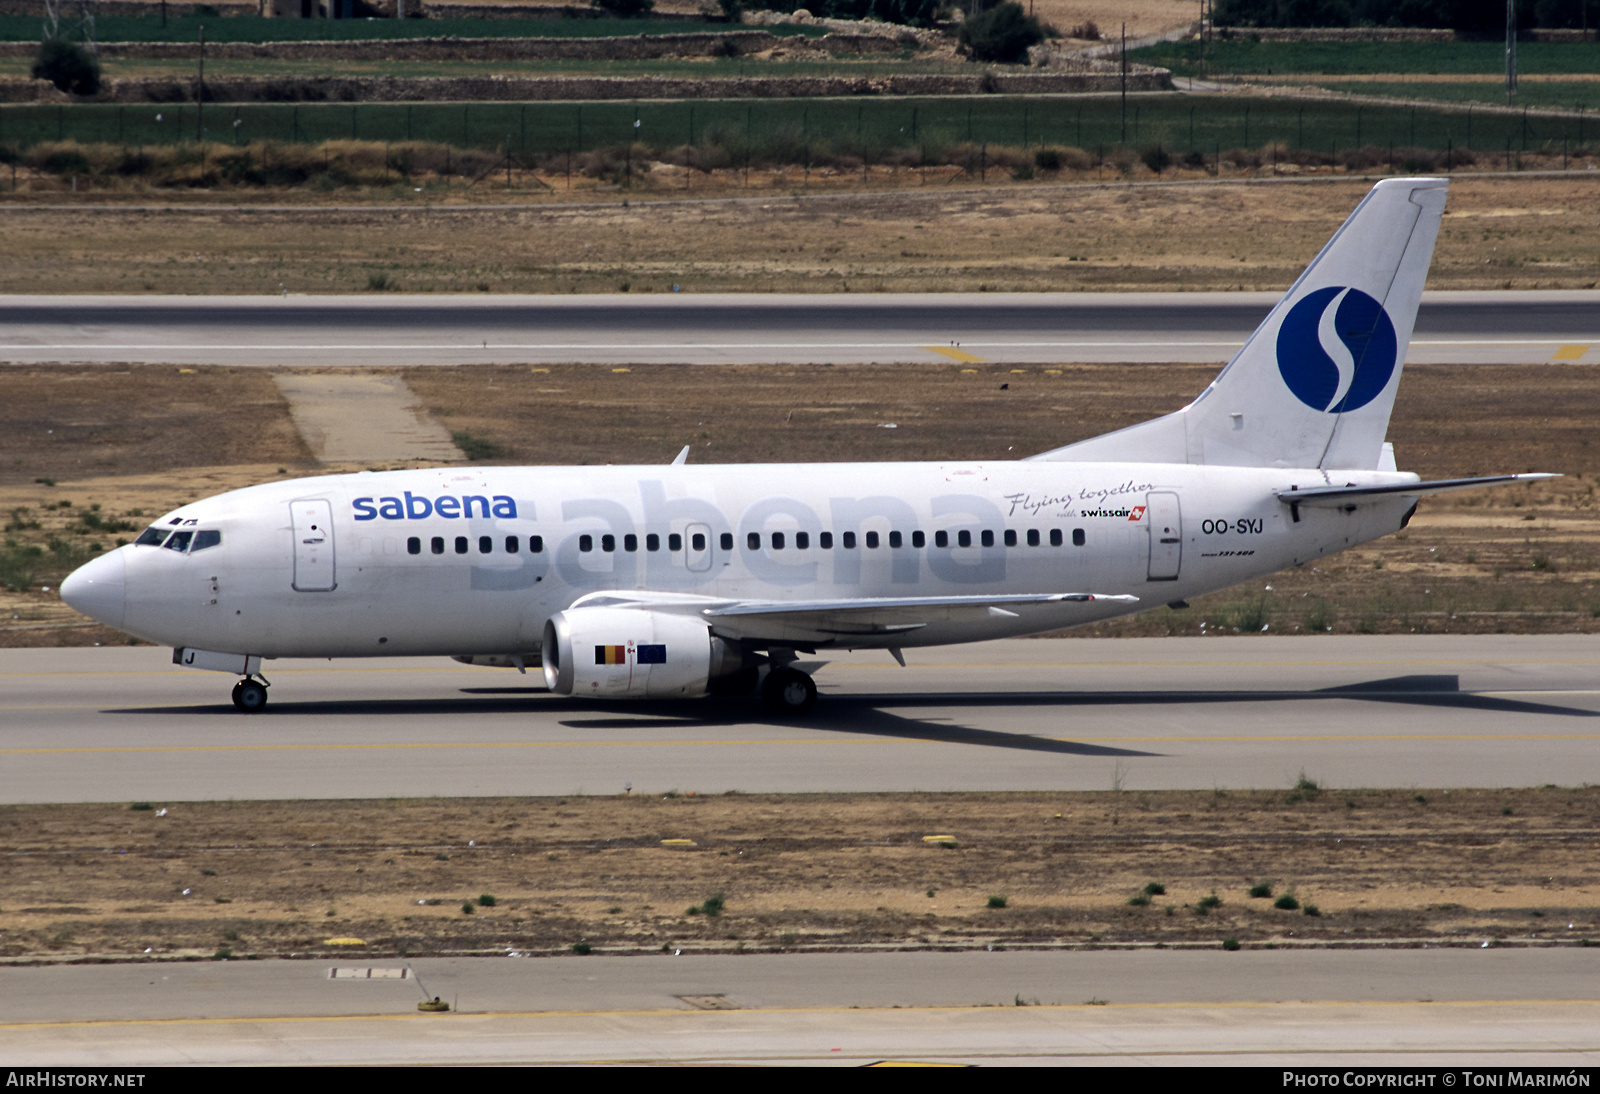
(1500, 232)
(88, 453)
(799, 872)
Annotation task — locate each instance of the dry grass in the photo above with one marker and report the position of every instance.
(1498, 233)
(797, 871)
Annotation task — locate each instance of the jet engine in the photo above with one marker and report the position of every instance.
(629, 653)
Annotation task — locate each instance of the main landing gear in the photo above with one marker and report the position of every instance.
(789, 691)
(250, 694)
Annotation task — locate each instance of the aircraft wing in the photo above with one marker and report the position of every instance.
(1339, 496)
(874, 619)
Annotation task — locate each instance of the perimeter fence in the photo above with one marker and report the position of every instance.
(802, 130)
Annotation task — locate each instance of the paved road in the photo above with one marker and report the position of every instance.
(1452, 328)
(124, 724)
(1496, 1007)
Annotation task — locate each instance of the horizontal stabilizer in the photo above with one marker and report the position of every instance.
(1343, 495)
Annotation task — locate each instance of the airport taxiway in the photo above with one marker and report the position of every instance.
(124, 723)
(1360, 1008)
(1527, 327)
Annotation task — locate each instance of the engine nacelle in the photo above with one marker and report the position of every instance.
(627, 653)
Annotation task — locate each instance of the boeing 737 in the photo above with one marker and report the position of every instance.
(681, 580)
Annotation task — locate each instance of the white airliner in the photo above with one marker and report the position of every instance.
(681, 580)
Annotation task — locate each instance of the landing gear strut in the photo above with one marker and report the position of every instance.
(789, 691)
(250, 694)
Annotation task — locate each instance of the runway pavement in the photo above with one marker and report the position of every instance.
(1477, 1008)
(1452, 328)
(1233, 712)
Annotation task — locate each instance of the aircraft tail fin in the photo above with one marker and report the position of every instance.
(1314, 385)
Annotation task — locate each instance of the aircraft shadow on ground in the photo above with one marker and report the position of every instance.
(873, 715)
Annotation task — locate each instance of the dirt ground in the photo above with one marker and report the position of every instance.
(799, 872)
(1499, 232)
(1523, 559)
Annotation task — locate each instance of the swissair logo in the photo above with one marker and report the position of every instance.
(1136, 513)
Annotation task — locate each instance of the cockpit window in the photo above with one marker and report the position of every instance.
(206, 537)
(152, 537)
(179, 541)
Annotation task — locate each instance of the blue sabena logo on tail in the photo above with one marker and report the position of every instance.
(1336, 349)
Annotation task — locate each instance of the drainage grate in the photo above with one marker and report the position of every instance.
(709, 1002)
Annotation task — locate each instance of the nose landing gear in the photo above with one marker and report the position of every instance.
(250, 694)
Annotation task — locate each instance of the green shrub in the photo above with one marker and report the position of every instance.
(486, 900)
(1261, 891)
(997, 901)
(712, 905)
(67, 65)
(1286, 902)
(1002, 34)
(1158, 159)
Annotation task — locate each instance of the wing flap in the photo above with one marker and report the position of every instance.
(880, 618)
(867, 621)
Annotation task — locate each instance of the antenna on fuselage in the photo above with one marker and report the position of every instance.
(682, 457)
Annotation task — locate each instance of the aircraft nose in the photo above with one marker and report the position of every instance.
(98, 588)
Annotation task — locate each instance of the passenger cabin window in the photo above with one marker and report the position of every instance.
(1077, 537)
(825, 540)
(941, 539)
(753, 541)
(152, 537)
(608, 543)
(1055, 537)
(963, 538)
(585, 543)
(802, 540)
(1011, 537)
(414, 546)
(652, 542)
(206, 537)
(536, 544)
(726, 539)
(674, 541)
(179, 541)
(486, 545)
(986, 537)
(698, 542)
(918, 539)
(777, 541)
(895, 539)
(872, 540)
(1033, 537)
(436, 545)
(848, 541)
(461, 545)
(511, 545)
(630, 543)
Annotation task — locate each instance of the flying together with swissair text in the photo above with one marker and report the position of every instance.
(684, 580)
